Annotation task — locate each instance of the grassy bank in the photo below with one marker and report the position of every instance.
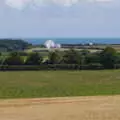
(59, 83)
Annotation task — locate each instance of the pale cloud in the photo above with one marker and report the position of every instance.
(20, 4)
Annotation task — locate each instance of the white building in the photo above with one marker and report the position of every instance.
(90, 43)
(51, 44)
(58, 45)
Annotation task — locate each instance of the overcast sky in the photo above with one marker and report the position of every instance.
(59, 18)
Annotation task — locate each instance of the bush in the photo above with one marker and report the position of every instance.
(68, 60)
(14, 59)
(34, 59)
(54, 57)
(108, 57)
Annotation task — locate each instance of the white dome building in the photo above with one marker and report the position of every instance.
(58, 46)
(49, 44)
(90, 43)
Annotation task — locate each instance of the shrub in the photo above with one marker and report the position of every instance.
(14, 59)
(33, 59)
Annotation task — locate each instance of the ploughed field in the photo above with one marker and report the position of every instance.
(37, 84)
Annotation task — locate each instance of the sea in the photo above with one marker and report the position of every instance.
(37, 41)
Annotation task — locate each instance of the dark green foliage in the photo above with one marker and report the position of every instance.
(72, 57)
(12, 45)
(108, 57)
(117, 60)
(33, 59)
(92, 58)
(54, 57)
(14, 59)
(59, 60)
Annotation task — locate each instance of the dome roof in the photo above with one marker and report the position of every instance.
(49, 44)
(58, 46)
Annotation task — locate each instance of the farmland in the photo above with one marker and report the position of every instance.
(36, 95)
(44, 51)
(35, 84)
(72, 108)
(90, 48)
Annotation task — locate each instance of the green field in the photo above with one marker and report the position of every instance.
(59, 83)
(41, 50)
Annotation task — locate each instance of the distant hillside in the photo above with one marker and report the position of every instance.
(12, 45)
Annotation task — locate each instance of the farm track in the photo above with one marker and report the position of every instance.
(68, 108)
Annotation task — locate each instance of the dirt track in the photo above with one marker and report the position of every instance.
(75, 108)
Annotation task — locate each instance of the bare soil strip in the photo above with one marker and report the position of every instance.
(67, 108)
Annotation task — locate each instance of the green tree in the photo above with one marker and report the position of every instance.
(34, 59)
(117, 58)
(108, 57)
(92, 58)
(54, 57)
(72, 57)
(14, 59)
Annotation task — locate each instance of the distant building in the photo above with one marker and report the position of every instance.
(58, 45)
(90, 44)
(51, 44)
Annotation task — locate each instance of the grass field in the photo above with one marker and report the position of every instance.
(59, 83)
(93, 49)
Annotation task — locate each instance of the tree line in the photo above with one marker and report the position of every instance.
(13, 45)
(108, 58)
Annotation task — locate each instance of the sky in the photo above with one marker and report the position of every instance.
(59, 18)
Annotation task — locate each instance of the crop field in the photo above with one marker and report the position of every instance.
(37, 84)
(60, 95)
(70, 108)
